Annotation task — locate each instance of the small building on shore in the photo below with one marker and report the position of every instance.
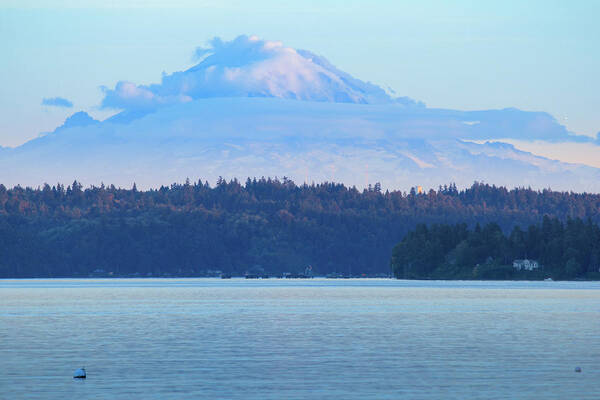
(526, 265)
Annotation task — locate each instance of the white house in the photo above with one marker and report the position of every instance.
(527, 265)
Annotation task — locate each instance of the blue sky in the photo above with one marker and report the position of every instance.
(535, 55)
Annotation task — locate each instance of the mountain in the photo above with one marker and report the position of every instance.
(256, 108)
(80, 118)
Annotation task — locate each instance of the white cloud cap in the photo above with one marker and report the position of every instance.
(250, 67)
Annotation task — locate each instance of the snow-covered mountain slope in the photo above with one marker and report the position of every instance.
(307, 141)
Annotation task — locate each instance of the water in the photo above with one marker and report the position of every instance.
(298, 339)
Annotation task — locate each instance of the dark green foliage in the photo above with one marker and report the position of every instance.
(564, 251)
(187, 229)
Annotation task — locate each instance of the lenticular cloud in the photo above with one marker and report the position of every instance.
(250, 67)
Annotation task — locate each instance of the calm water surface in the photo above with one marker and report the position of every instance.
(298, 339)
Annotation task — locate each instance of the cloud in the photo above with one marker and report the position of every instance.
(128, 96)
(57, 102)
(250, 67)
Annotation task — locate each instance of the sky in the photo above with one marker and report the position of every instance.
(468, 55)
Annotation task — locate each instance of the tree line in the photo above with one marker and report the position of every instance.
(567, 251)
(270, 225)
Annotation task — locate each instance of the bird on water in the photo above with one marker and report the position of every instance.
(79, 373)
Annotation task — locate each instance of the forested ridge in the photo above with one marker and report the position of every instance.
(569, 250)
(268, 225)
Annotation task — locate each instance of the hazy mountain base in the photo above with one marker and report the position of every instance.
(306, 141)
